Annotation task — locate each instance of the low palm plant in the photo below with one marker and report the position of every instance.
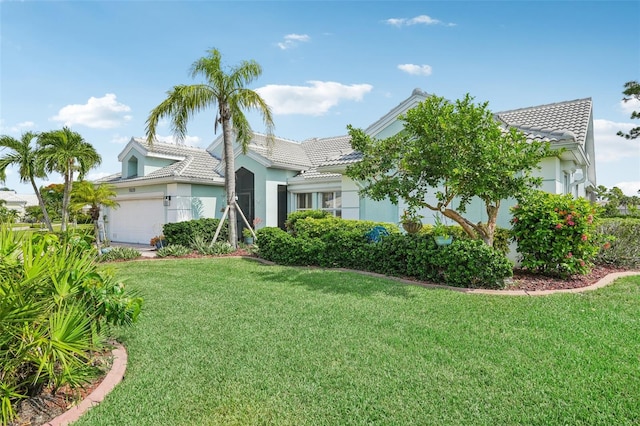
(56, 308)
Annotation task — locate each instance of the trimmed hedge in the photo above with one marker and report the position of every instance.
(183, 233)
(334, 242)
(623, 249)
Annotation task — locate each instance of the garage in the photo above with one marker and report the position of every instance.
(137, 219)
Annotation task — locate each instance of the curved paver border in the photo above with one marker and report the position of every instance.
(113, 377)
(601, 283)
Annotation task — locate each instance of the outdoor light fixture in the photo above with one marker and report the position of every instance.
(167, 200)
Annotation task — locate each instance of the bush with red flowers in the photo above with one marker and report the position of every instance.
(556, 234)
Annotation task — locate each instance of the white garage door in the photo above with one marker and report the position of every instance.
(136, 221)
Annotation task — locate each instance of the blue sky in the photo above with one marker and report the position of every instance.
(101, 66)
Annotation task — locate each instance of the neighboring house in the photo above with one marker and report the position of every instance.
(166, 183)
(18, 202)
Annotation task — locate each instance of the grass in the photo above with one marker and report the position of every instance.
(234, 342)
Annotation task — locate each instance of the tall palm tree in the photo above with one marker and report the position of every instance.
(27, 159)
(227, 93)
(65, 151)
(86, 193)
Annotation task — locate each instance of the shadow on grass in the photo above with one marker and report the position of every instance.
(332, 281)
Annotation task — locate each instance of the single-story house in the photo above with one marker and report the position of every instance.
(18, 202)
(162, 183)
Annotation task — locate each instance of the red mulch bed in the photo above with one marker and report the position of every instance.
(524, 280)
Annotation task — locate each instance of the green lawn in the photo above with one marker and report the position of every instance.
(234, 342)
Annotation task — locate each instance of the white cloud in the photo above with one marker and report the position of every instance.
(292, 40)
(120, 140)
(97, 175)
(97, 113)
(415, 69)
(630, 106)
(417, 20)
(315, 99)
(610, 147)
(18, 128)
(629, 188)
(188, 140)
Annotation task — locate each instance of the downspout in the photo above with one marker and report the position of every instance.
(582, 180)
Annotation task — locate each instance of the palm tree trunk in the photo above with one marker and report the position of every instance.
(45, 214)
(96, 229)
(66, 198)
(230, 179)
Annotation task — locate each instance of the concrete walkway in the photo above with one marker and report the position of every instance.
(145, 249)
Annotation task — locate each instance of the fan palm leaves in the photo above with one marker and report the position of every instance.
(226, 92)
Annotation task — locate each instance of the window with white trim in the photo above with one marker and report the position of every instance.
(303, 201)
(332, 202)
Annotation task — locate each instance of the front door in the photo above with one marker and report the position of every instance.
(245, 192)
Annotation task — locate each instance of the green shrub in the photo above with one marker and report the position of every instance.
(56, 307)
(119, 253)
(174, 250)
(556, 234)
(294, 217)
(339, 236)
(471, 263)
(183, 233)
(281, 247)
(501, 237)
(623, 238)
(338, 243)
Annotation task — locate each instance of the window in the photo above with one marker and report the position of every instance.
(566, 183)
(132, 167)
(303, 201)
(332, 202)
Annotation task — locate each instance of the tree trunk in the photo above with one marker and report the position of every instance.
(96, 229)
(66, 197)
(464, 223)
(492, 214)
(230, 175)
(45, 214)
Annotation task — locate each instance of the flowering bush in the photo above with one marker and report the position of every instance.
(556, 234)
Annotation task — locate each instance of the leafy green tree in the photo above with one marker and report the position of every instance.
(225, 91)
(85, 194)
(33, 214)
(617, 203)
(28, 160)
(631, 91)
(66, 152)
(53, 195)
(456, 150)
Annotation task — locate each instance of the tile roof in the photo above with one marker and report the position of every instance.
(555, 122)
(552, 122)
(321, 150)
(13, 198)
(282, 152)
(194, 163)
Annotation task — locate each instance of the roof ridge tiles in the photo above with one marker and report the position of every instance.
(544, 105)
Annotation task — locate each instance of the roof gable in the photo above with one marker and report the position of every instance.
(280, 152)
(553, 122)
(389, 118)
(189, 162)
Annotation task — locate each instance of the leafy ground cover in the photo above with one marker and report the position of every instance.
(232, 341)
